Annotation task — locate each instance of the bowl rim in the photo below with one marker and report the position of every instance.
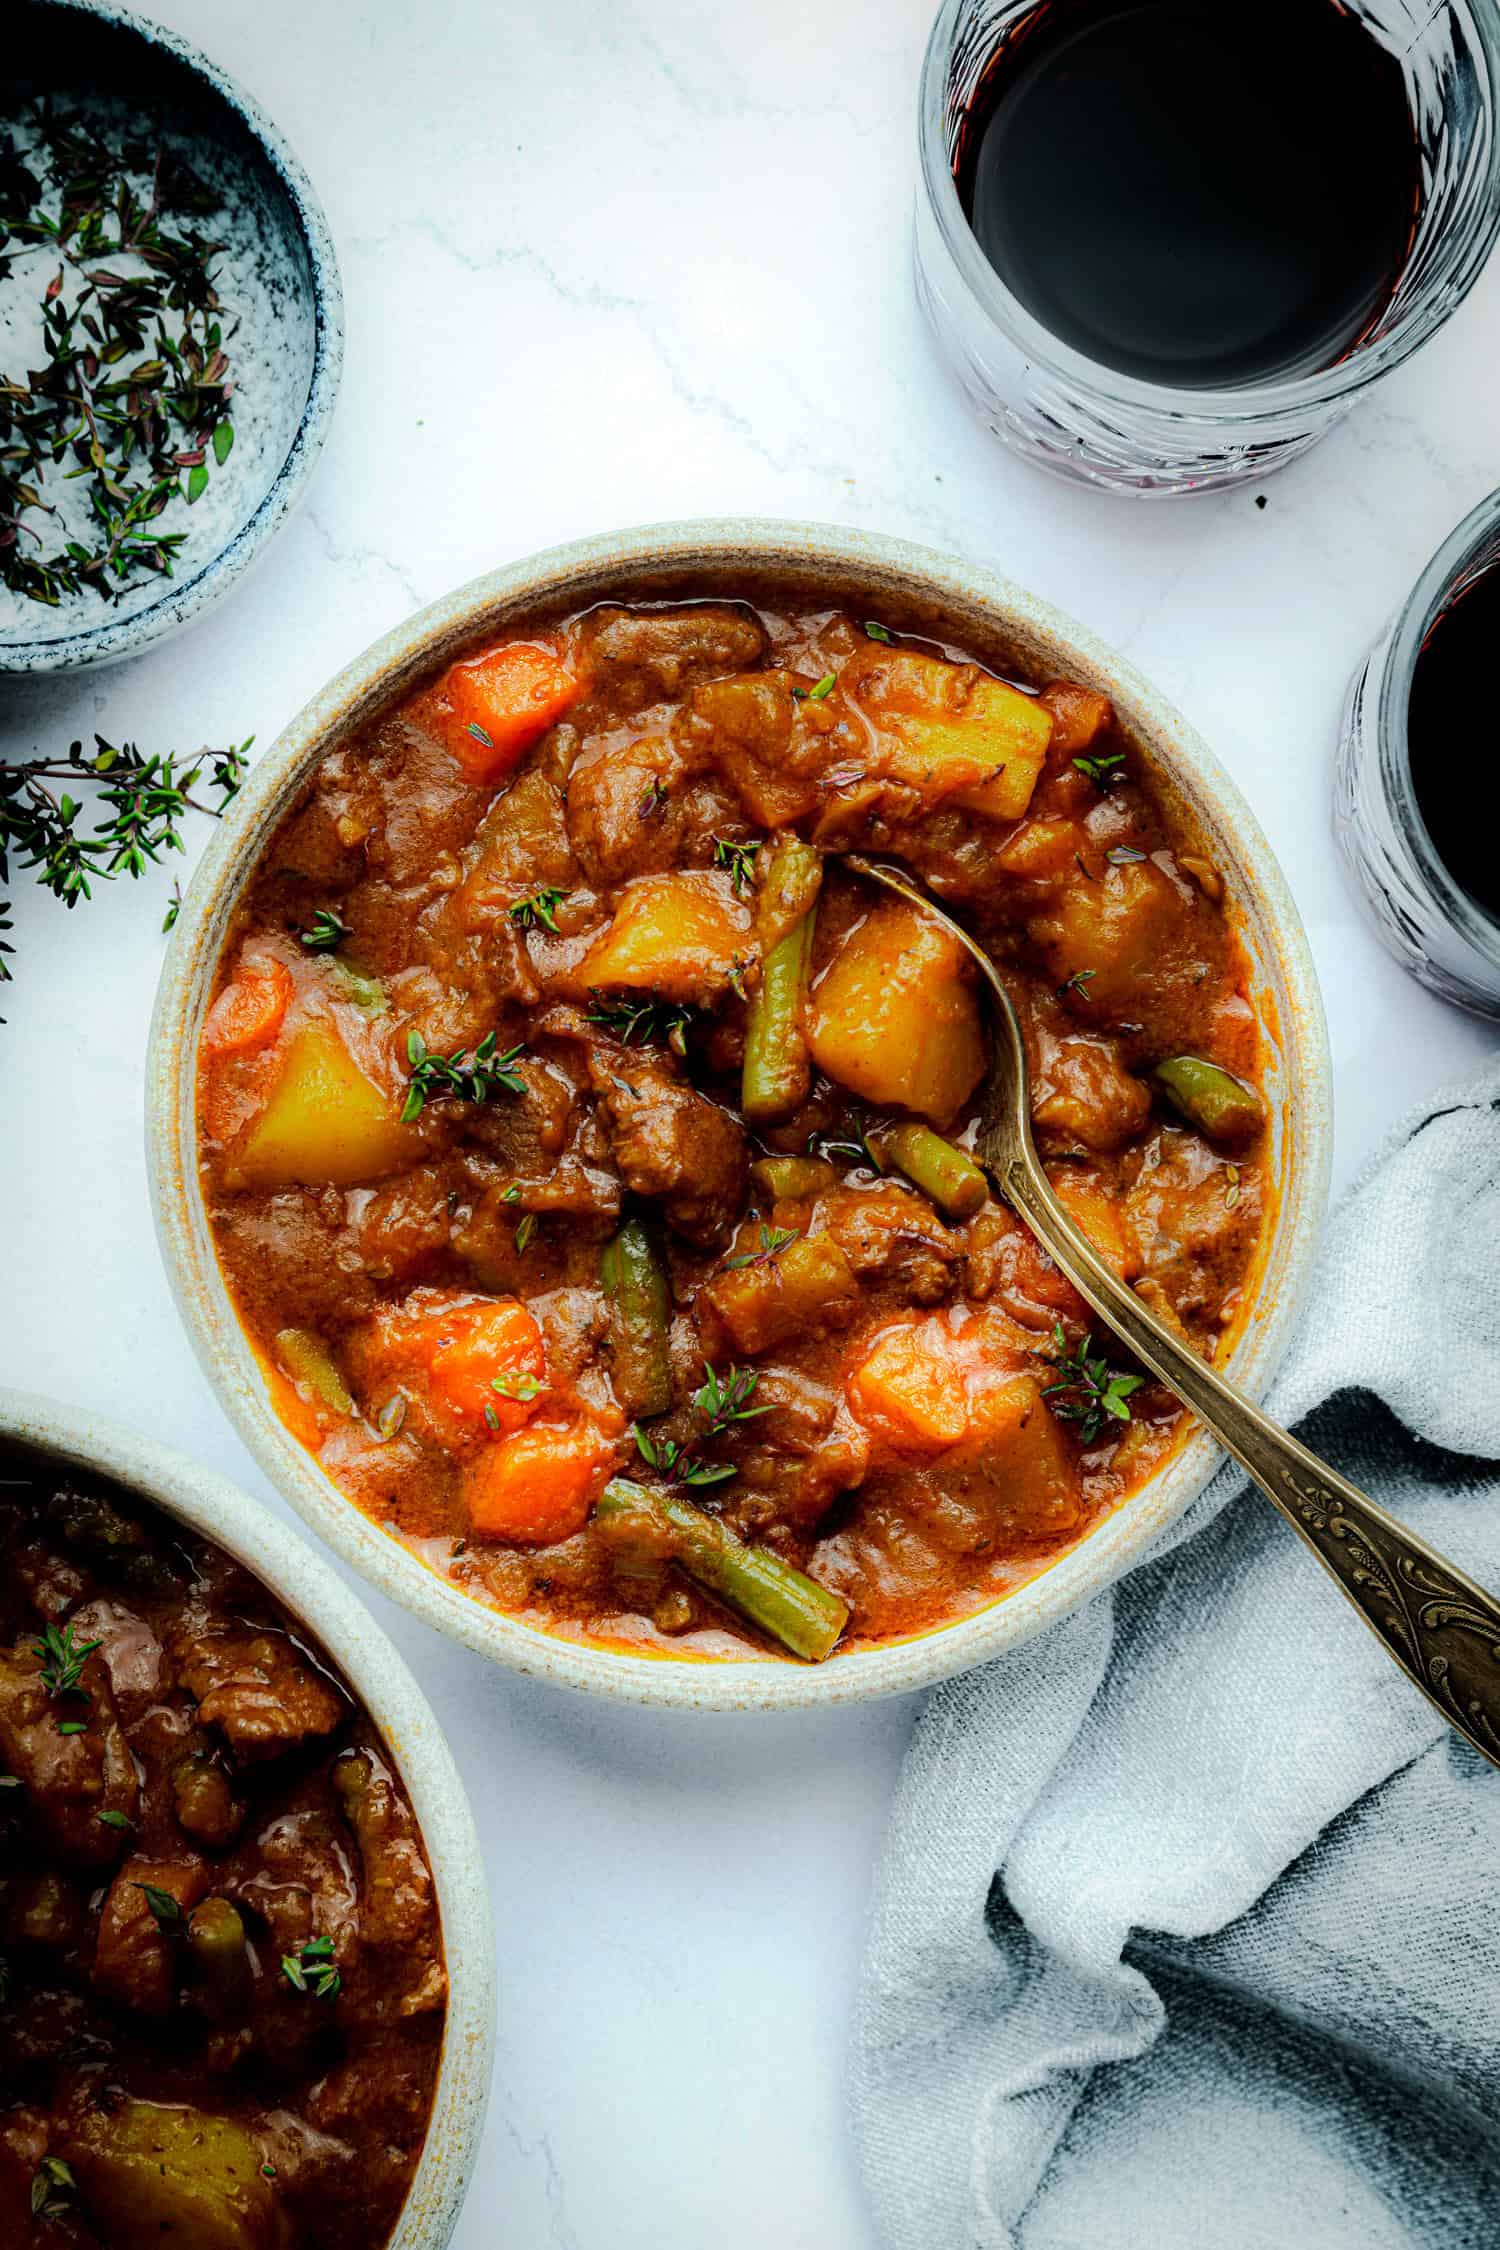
(185, 598)
(316, 1596)
(621, 565)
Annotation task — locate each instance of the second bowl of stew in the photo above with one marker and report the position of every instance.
(564, 1159)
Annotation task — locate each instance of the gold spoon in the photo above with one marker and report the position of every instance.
(1442, 1629)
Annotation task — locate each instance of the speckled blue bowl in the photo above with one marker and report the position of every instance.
(92, 51)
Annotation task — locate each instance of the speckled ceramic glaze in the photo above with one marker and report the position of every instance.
(313, 1593)
(92, 49)
(907, 587)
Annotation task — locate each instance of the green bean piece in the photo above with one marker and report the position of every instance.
(785, 1177)
(366, 992)
(804, 1617)
(791, 875)
(777, 1070)
(1211, 1098)
(311, 1366)
(950, 1177)
(216, 1941)
(640, 1318)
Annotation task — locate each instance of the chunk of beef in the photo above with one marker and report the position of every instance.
(402, 1226)
(297, 1259)
(637, 808)
(135, 1952)
(672, 1143)
(1082, 1095)
(638, 657)
(890, 1234)
(797, 1457)
(395, 1900)
(97, 1531)
(129, 1651)
(81, 1787)
(253, 1683)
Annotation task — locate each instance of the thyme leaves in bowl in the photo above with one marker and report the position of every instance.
(101, 243)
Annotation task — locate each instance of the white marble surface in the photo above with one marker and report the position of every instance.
(612, 261)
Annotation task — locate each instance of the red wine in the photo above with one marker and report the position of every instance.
(1190, 191)
(1450, 733)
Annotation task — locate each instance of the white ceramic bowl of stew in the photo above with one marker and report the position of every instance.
(1000, 625)
(316, 1597)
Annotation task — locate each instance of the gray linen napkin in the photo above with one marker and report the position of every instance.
(1204, 1833)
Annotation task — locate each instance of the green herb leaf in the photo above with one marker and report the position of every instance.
(525, 1230)
(197, 483)
(162, 1904)
(537, 908)
(773, 1240)
(312, 1969)
(875, 632)
(53, 2188)
(1086, 1391)
(651, 1021)
(223, 442)
(1102, 772)
(516, 1382)
(458, 1077)
(63, 1659)
(1078, 982)
(740, 861)
(325, 933)
(114, 1819)
(1124, 855)
(824, 688)
(723, 1399)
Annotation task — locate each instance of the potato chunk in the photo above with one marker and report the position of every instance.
(150, 2175)
(326, 1123)
(683, 936)
(895, 1018)
(948, 730)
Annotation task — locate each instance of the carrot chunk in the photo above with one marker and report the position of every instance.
(912, 1390)
(249, 1012)
(537, 1485)
(459, 1348)
(499, 705)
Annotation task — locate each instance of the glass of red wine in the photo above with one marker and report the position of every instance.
(1166, 244)
(1417, 794)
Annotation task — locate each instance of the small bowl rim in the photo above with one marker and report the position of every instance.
(311, 1590)
(184, 599)
(620, 565)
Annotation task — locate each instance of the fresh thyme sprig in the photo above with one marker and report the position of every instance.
(651, 1021)
(739, 859)
(1102, 772)
(773, 1240)
(63, 1660)
(312, 1969)
(139, 803)
(457, 1077)
(724, 1399)
(53, 2188)
(538, 909)
(135, 391)
(675, 1463)
(1086, 1392)
(164, 1908)
(325, 933)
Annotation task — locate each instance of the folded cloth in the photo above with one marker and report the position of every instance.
(1206, 1833)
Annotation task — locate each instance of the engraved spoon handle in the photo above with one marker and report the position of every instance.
(1441, 1628)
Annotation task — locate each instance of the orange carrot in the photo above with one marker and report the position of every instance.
(539, 1484)
(249, 1012)
(911, 1389)
(499, 705)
